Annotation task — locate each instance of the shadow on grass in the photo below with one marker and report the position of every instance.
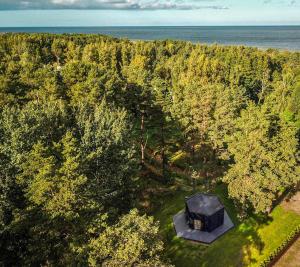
(239, 247)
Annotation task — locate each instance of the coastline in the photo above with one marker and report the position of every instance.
(283, 38)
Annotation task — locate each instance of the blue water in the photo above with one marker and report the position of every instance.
(281, 37)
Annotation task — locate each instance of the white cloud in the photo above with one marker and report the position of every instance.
(112, 4)
(281, 2)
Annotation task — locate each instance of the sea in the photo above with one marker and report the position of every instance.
(264, 37)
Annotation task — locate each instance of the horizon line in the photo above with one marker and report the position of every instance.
(141, 26)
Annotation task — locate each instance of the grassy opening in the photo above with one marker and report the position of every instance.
(246, 245)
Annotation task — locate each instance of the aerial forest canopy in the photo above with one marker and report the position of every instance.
(81, 117)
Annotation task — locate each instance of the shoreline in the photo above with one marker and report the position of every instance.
(156, 35)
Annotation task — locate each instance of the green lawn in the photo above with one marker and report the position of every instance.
(245, 245)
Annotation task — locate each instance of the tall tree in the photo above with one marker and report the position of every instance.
(133, 241)
(138, 77)
(266, 159)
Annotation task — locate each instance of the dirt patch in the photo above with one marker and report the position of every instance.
(292, 203)
(292, 256)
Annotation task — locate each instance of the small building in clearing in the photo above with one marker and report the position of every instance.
(204, 212)
(204, 219)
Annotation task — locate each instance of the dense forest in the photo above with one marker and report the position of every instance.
(83, 118)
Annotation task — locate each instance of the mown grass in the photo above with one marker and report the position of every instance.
(246, 245)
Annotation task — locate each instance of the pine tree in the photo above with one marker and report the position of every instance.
(266, 160)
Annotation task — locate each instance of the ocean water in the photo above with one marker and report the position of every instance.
(281, 37)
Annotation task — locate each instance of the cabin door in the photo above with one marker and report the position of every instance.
(198, 225)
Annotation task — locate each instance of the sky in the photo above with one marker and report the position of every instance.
(43, 13)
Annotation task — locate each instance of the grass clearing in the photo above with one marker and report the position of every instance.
(245, 245)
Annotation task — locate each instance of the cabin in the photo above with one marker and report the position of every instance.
(204, 219)
(204, 212)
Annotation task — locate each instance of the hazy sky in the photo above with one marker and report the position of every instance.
(148, 12)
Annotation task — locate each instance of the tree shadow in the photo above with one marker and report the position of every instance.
(251, 241)
(241, 246)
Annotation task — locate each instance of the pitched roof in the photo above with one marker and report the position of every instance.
(205, 204)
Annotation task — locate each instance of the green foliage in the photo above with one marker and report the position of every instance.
(293, 108)
(55, 186)
(266, 158)
(131, 242)
(75, 109)
(109, 154)
(68, 178)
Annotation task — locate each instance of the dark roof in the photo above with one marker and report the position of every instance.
(205, 204)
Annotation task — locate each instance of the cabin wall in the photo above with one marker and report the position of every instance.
(215, 220)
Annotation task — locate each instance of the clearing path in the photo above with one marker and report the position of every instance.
(293, 203)
(292, 256)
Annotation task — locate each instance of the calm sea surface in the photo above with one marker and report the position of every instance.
(282, 37)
